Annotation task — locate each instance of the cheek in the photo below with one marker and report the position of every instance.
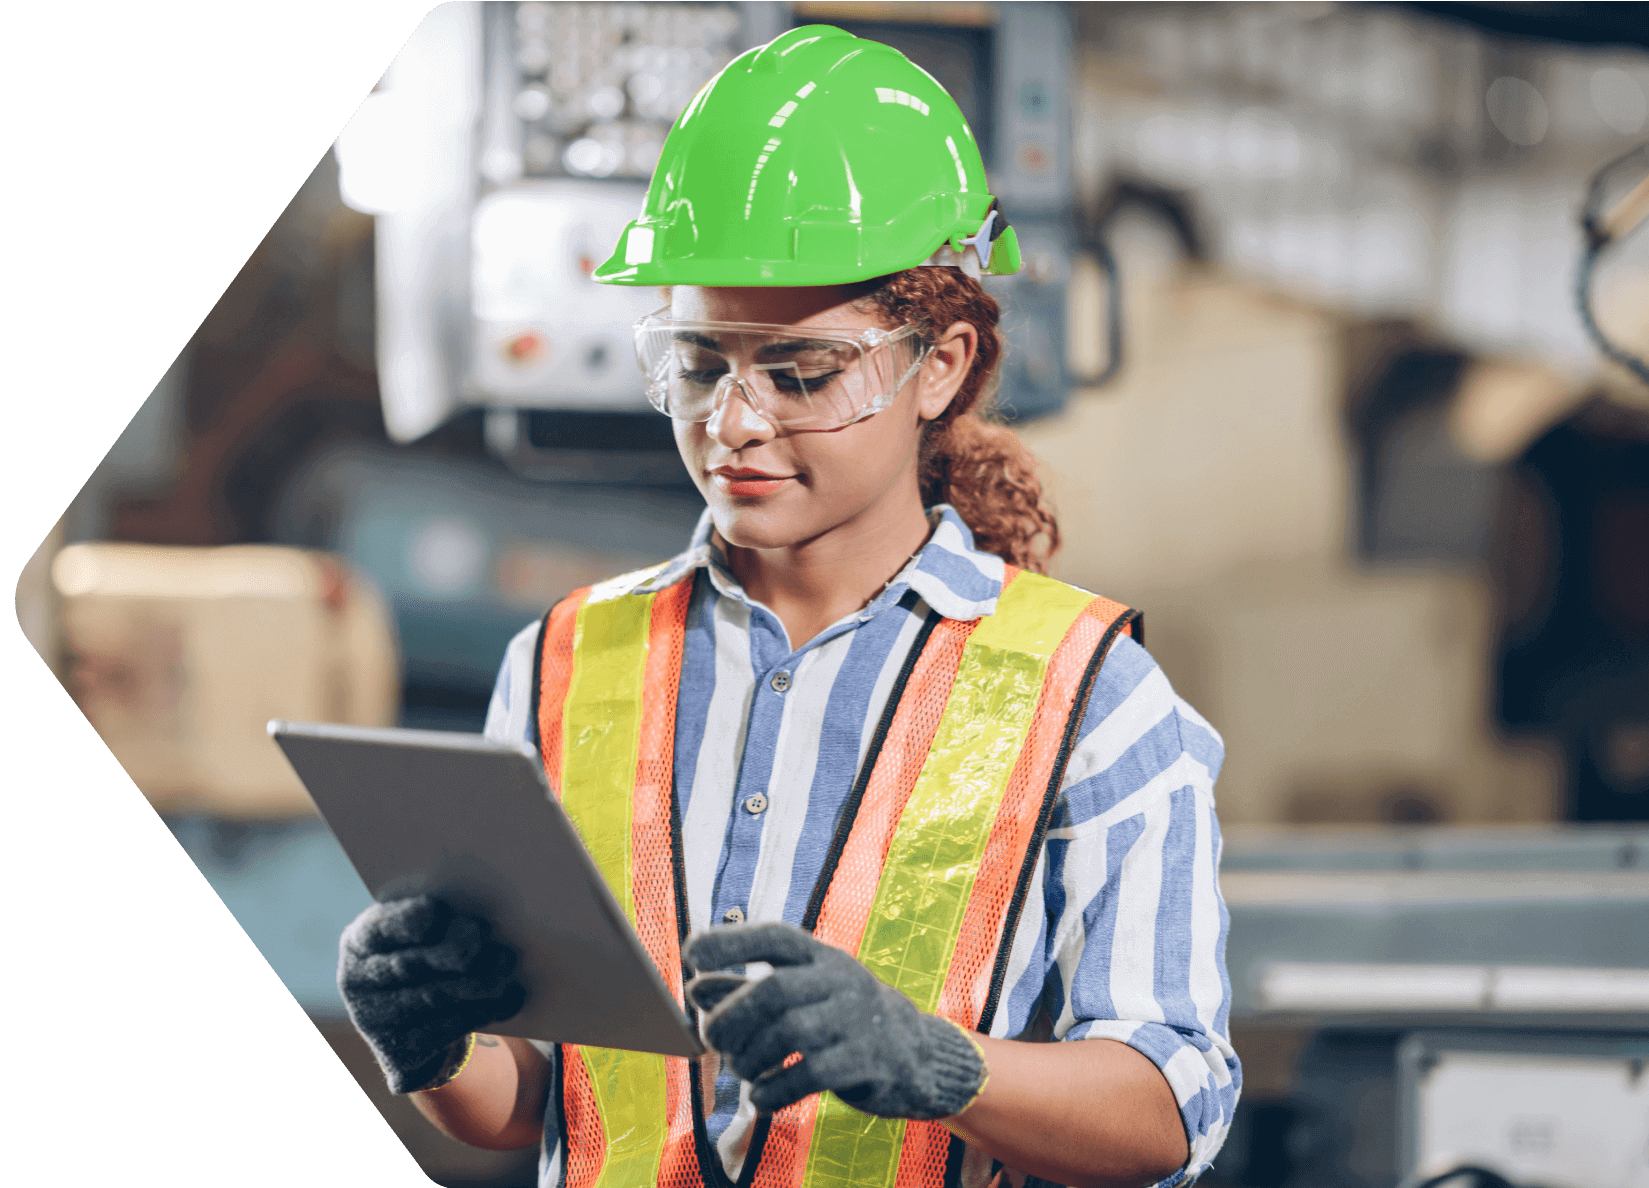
(864, 457)
(690, 441)
(693, 444)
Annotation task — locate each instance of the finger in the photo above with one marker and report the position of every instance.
(431, 964)
(398, 924)
(819, 1072)
(806, 1030)
(740, 944)
(491, 961)
(384, 971)
(813, 1074)
(411, 969)
(756, 1005)
(467, 1003)
(709, 989)
(506, 1006)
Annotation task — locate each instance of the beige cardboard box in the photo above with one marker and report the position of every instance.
(179, 656)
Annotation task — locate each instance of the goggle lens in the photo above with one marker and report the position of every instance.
(795, 377)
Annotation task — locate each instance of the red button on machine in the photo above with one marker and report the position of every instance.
(525, 347)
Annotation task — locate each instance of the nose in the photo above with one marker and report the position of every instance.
(736, 423)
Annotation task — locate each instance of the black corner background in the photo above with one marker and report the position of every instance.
(155, 150)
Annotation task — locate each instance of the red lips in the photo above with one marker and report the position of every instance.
(745, 483)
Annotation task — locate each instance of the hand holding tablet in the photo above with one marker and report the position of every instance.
(471, 822)
(418, 978)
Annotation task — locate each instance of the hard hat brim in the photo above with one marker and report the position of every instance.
(747, 273)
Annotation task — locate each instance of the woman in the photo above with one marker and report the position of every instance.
(851, 740)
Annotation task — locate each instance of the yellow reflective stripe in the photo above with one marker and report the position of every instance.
(852, 1149)
(630, 1098)
(1033, 615)
(916, 917)
(601, 721)
(601, 732)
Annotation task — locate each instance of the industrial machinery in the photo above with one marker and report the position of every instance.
(1456, 997)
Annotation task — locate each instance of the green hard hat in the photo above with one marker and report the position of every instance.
(819, 158)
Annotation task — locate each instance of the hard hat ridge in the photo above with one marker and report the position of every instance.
(772, 57)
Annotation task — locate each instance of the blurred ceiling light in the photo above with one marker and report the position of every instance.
(531, 103)
(501, 165)
(593, 158)
(605, 103)
(1518, 110)
(1619, 100)
(583, 155)
(646, 88)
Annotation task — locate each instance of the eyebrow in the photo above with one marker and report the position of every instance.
(792, 345)
(703, 340)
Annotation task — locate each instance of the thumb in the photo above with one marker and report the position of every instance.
(740, 944)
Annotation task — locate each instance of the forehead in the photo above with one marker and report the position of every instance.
(824, 307)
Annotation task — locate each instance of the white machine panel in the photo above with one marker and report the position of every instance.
(1557, 1120)
(543, 333)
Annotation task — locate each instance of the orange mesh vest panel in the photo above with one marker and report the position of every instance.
(952, 800)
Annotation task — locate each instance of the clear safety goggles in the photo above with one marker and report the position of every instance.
(794, 377)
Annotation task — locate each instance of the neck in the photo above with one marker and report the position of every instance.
(812, 584)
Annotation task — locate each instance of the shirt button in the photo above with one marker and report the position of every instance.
(733, 916)
(756, 804)
(780, 681)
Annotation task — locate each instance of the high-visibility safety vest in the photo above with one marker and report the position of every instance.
(923, 883)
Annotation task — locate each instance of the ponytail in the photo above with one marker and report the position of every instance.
(979, 467)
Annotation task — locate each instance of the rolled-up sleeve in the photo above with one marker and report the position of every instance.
(509, 712)
(1135, 927)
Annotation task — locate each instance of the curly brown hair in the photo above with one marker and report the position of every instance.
(979, 467)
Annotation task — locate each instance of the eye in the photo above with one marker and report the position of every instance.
(700, 370)
(800, 383)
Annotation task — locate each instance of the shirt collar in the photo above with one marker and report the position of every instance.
(948, 573)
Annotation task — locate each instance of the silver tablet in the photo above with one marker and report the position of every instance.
(472, 821)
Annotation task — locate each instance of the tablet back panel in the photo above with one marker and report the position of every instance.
(472, 821)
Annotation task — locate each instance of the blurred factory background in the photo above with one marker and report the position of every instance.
(1298, 343)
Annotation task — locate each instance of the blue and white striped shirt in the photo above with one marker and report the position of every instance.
(1130, 945)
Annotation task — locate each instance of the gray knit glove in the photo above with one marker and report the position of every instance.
(858, 1037)
(418, 978)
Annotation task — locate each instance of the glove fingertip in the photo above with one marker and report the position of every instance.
(774, 942)
(769, 1100)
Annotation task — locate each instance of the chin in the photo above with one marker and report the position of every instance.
(752, 526)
